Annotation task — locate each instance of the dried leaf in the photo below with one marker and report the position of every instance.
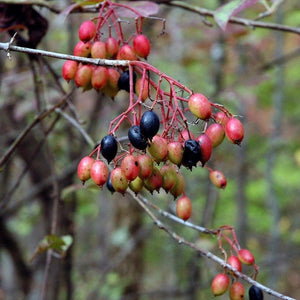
(224, 12)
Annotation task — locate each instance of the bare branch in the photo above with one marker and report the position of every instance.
(235, 20)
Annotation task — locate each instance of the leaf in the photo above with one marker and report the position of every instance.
(224, 12)
(143, 8)
(54, 242)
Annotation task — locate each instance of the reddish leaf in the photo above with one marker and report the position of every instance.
(143, 8)
(224, 12)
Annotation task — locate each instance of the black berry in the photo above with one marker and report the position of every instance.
(191, 153)
(149, 124)
(109, 147)
(124, 81)
(109, 185)
(136, 138)
(255, 293)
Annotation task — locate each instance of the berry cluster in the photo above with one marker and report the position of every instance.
(159, 136)
(103, 79)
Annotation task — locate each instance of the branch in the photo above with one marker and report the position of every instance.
(234, 20)
(143, 202)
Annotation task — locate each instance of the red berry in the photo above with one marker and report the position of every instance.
(184, 208)
(169, 175)
(221, 118)
(237, 291)
(126, 52)
(234, 131)
(141, 46)
(111, 88)
(99, 77)
(84, 168)
(175, 152)
(205, 147)
(136, 185)
(118, 180)
(69, 69)
(220, 284)
(218, 179)
(112, 47)
(146, 166)
(142, 88)
(200, 106)
(98, 50)
(154, 181)
(82, 49)
(235, 263)
(130, 167)
(185, 135)
(99, 172)
(178, 188)
(83, 76)
(87, 31)
(246, 257)
(158, 148)
(216, 134)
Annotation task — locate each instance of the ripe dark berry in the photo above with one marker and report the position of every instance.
(149, 124)
(184, 208)
(124, 81)
(141, 46)
(87, 31)
(191, 154)
(255, 293)
(109, 147)
(237, 291)
(220, 284)
(234, 131)
(109, 185)
(136, 138)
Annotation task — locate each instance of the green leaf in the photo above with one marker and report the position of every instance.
(224, 12)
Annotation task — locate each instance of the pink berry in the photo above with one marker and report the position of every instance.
(220, 284)
(130, 167)
(127, 52)
(205, 147)
(83, 76)
(69, 70)
(84, 168)
(99, 172)
(218, 179)
(237, 291)
(112, 47)
(200, 106)
(98, 50)
(234, 131)
(141, 46)
(82, 49)
(216, 134)
(99, 77)
(87, 31)
(184, 208)
(246, 257)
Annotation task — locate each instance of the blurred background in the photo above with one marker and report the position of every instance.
(106, 246)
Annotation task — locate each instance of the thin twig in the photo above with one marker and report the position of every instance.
(235, 20)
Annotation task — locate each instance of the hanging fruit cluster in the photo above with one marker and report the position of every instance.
(159, 137)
